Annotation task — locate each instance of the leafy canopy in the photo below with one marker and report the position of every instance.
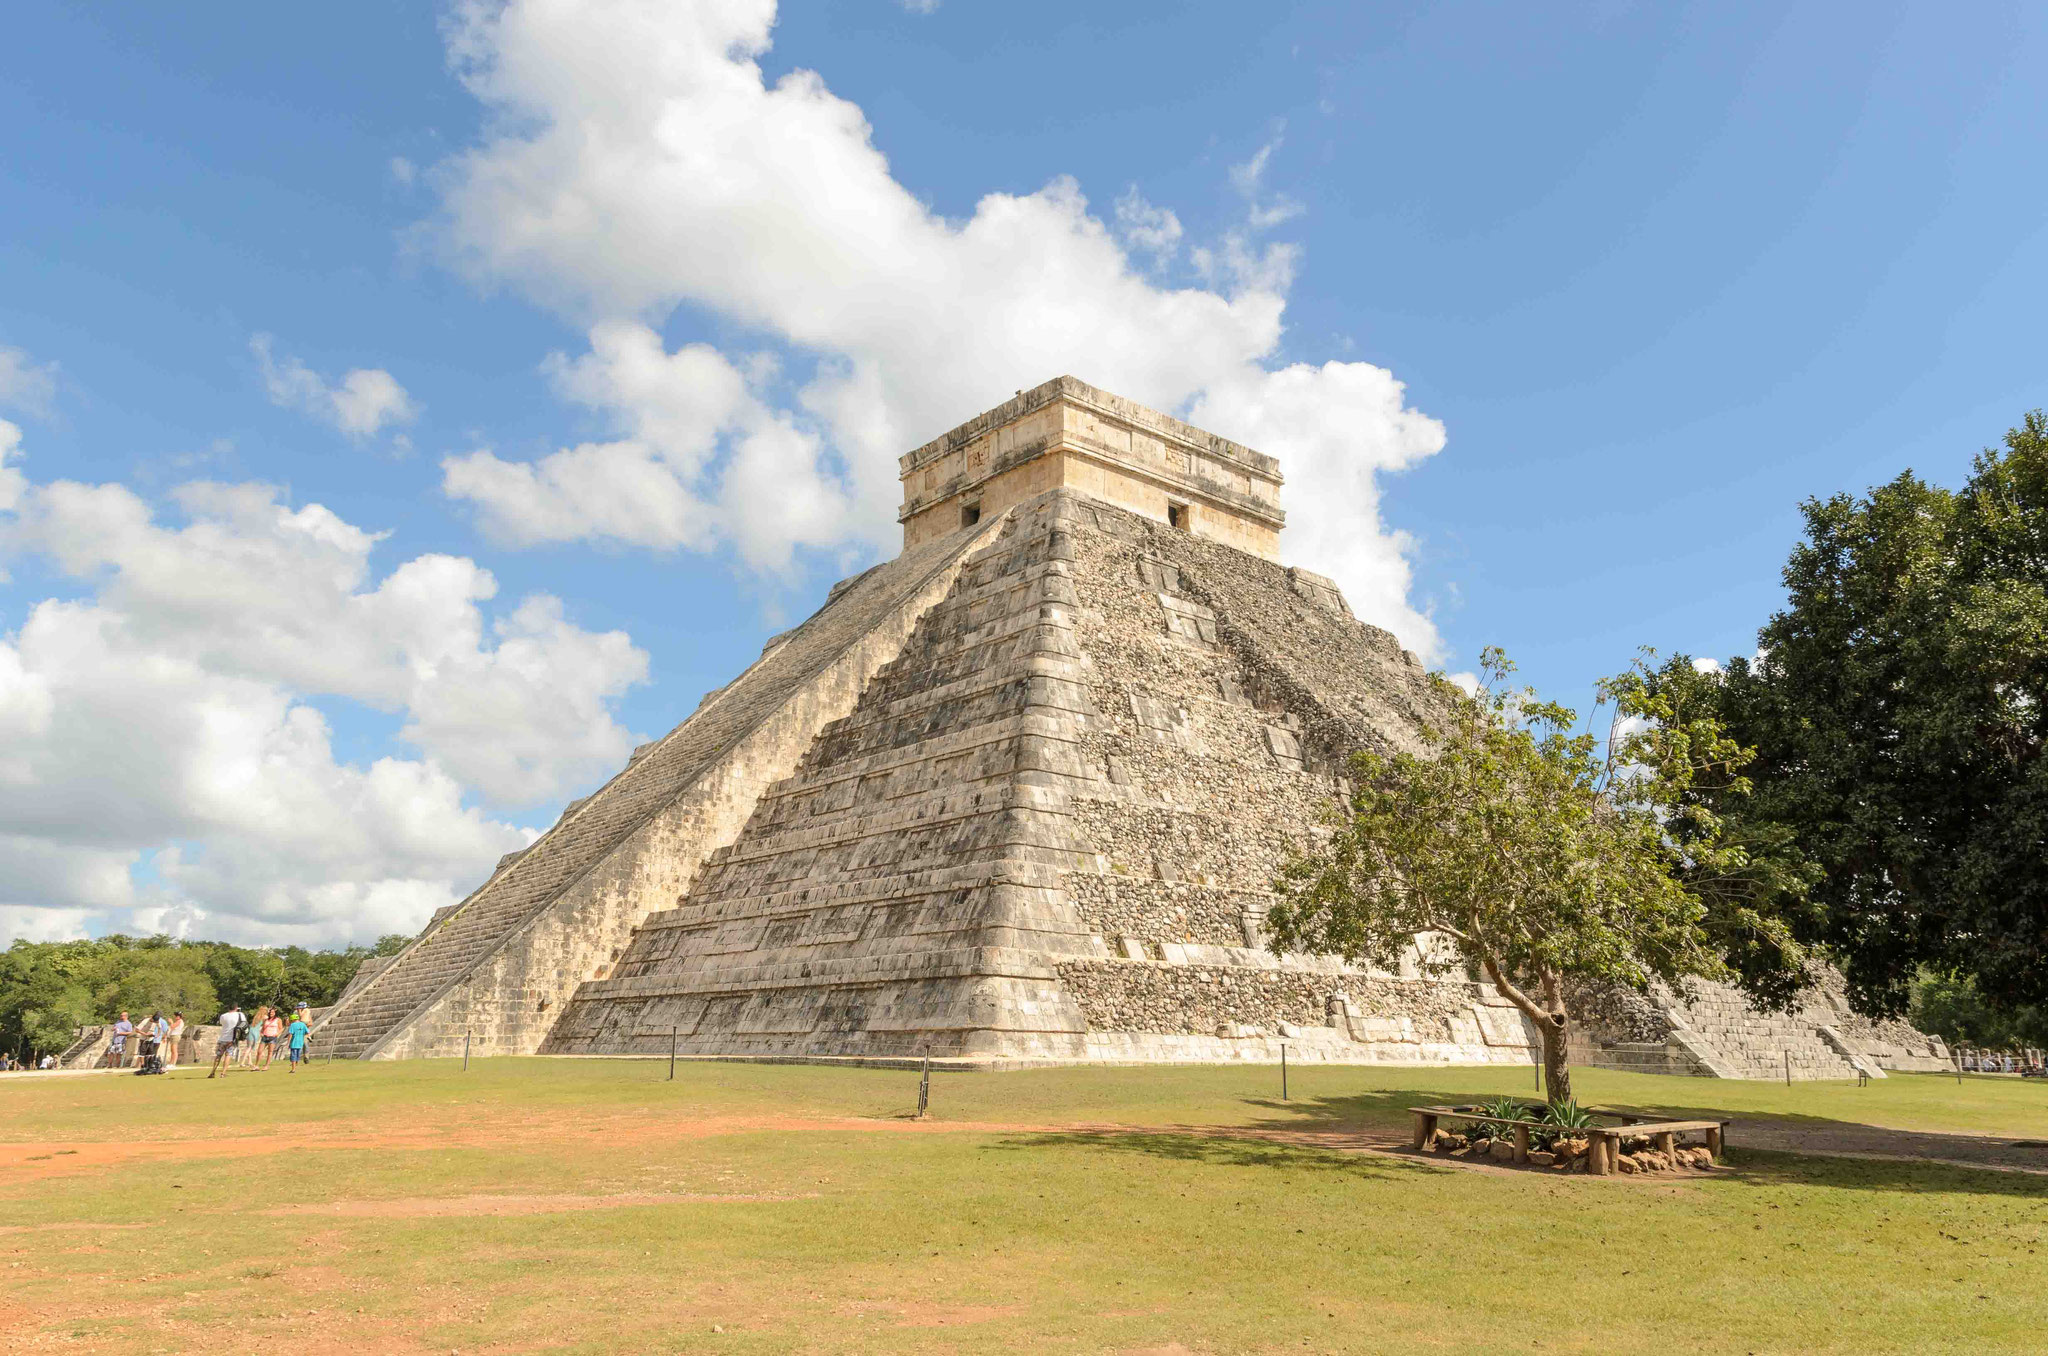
(1539, 857)
(49, 989)
(1899, 712)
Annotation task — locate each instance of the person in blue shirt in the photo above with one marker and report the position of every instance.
(297, 1032)
(117, 1048)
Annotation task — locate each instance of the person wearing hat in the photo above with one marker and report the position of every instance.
(296, 1033)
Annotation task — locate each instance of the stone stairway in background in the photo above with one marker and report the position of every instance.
(1715, 1033)
(446, 951)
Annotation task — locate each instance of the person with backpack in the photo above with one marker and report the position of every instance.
(149, 1058)
(231, 1023)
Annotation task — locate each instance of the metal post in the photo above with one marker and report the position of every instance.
(924, 1086)
(465, 1052)
(672, 1053)
(1283, 1071)
(1788, 1068)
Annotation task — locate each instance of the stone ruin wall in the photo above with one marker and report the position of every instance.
(1212, 757)
(1710, 1030)
(508, 999)
(894, 893)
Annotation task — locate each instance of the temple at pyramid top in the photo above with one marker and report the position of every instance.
(1068, 434)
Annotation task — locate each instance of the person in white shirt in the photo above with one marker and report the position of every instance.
(224, 1044)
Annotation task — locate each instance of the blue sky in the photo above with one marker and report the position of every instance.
(1646, 276)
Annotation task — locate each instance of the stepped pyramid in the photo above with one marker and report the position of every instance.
(1016, 795)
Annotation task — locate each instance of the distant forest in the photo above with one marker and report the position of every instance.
(49, 989)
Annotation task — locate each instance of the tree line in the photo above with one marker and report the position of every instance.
(50, 989)
(1868, 790)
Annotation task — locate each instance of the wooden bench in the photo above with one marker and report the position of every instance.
(1603, 1153)
(1603, 1150)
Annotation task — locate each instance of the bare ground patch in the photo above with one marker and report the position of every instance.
(432, 1207)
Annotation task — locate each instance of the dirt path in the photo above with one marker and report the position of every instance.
(1835, 1139)
(1840, 1139)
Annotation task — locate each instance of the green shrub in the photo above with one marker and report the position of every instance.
(1507, 1108)
(1561, 1120)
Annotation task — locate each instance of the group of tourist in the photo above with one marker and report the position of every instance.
(157, 1038)
(16, 1064)
(252, 1042)
(2026, 1063)
(244, 1040)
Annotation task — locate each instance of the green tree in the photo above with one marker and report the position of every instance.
(40, 1005)
(1950, 1007)
(1899, 712)
(244, 975)
(163, 981)
(48, 989)
(1536, 856)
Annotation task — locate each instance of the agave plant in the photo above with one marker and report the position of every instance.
(1507, 1108)
(1561, 1120)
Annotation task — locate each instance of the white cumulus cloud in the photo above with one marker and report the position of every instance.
(636, 159)
(1155, 230)
(167, 756)
(25, 384)
(661, 483)
(362, 403)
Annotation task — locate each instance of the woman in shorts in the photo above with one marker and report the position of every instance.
(272, 1027)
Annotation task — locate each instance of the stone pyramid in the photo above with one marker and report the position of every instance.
(1017, 795)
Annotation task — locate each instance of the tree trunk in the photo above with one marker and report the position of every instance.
(1552, 1024)
(1556, 1026)
(1557, 1073)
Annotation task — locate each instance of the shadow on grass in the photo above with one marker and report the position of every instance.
(1750, 1168)
(1223, 1151)
(1766, 1168)
(1384, 1112)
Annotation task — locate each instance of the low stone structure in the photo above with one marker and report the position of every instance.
(89, 1049)
(1712, 1031)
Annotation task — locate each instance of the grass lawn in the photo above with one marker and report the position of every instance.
(554, 1205)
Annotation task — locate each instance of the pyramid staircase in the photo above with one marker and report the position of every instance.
(500, 964)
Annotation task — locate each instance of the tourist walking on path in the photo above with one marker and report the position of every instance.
(224, 1045)
(117, 1048)
(298, 1031)
(176, 1039)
